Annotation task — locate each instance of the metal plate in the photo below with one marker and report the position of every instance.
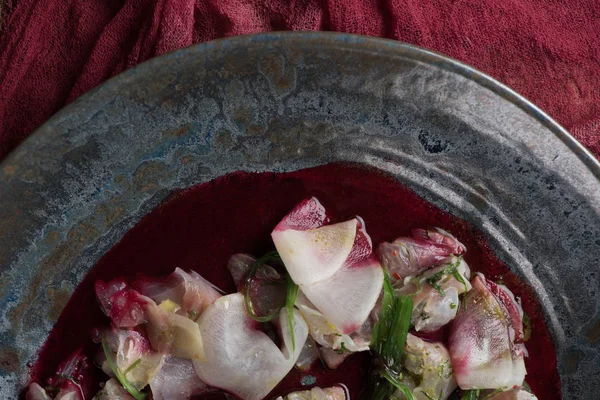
(284, 101)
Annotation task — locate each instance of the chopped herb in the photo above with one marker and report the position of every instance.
(193, 315)
(272, 256)
(110, 358)
(470, 395)
(445, 366)
(342, 349)
(290, 300)
(451, 269)
(437, 287)
(452, 305)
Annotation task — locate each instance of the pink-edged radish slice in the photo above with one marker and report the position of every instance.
(315, 254)
(310, 250)
(410, 256)
(442, 237)
(482, 339)
(308, 214)
(333, 264)
(240, 358)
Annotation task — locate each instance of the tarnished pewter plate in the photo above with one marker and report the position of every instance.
(285, 101)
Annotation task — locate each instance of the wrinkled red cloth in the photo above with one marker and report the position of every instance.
(52, 51)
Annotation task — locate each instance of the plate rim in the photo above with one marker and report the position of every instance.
(421, 54)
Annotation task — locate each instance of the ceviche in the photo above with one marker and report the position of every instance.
(324, 293)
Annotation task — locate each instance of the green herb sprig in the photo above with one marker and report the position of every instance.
(291, 290)
(389, 337)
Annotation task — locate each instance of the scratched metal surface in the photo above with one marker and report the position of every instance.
(288, 101)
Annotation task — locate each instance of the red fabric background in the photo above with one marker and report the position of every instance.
(52, 51)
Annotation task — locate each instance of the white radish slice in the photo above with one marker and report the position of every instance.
(176, 380)
(347, 298)
(324, 332)
(315, 254)
(240, 358)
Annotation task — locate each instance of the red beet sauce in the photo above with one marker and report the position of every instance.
(201, 227)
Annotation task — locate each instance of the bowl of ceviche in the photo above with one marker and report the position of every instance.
(300, 216)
